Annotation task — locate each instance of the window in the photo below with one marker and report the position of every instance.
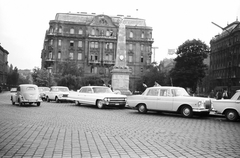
(80, 32)
(111, 46)
(72, 31)
(141, 47)
(142, 36)
(141, 59)
(71, 43)
(93, 32)
(107, 45)
(79, 56)
(107, 33)
(50, 55)
(130, 57)
(96, 44)
(96, 57)
(153, 92)
(80, 44)
(92, 45)
(130, 47)
(71, 55)
(110, 57)
(59, 42)
(59, 55)
(106, 57)
(131, 34)
(165, 92)
(51, 42)
(60, 29)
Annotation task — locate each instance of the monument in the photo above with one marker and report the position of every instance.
(121, 72)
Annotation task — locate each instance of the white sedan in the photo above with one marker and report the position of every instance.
(100, 96)
(169, 99)
(230, 108)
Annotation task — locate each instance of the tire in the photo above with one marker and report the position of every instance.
(77, 103)
(142, 109)
(100, 104)
(57, 100)
(186, 111)
(13, 103)
(231, 115)
(38, 103)
(48, 100)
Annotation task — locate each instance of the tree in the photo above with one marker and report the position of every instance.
(42, 77)
(189, 68)
(12, 76)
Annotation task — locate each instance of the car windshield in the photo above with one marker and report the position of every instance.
(63, 89)
(43, 89)
(30, 88)
(181, 92)
(102, 90)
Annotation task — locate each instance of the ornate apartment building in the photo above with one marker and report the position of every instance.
(90, 40)
(225, 58)
(3, 66)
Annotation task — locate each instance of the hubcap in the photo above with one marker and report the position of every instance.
(231, 116)
(186, 111)
(100, 104)
(142, 108)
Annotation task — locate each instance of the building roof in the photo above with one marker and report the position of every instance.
(88, 18)
(227, 30)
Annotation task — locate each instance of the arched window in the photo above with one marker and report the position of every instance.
(142, 36)
(80, 32)
(60, 29)
(72, 31)
(93, 32)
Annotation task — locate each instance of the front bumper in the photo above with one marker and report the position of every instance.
(200, 110)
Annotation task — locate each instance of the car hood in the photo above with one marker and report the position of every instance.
(111, 95)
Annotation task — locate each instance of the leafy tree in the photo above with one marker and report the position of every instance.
(41, 77)
(69, 67)
(12, 76)
(189, 68)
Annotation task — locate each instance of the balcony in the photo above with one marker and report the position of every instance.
(108, 62)
(94, 62)
(102, 36)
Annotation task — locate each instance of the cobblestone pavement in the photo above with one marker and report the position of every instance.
(63, 130)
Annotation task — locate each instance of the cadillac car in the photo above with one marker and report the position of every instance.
(100, 96)
(230, 108)
(169, 99)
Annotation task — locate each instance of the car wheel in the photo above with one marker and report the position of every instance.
(100, 104)
(57, 100)
(48, 100)
(142, 108)
(186, 111)
(38, 103)
(231, 115)
(13, 103)
(77, 102)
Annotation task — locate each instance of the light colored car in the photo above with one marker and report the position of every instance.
(26, 93)
(169, 99)
(57, 93)
(230, 108)
(42, 92)
(100, 96)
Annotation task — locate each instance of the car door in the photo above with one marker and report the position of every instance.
(82, 95)
(165, 100)
(151, 99)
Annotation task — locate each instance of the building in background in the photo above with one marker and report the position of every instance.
(90, 40)
(225, 59)
(3, 67)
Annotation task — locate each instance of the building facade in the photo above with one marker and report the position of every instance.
(225, 59)
(3, 67)
(90, 40)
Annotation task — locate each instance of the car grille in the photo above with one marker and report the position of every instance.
(117, 99)
(208, 104)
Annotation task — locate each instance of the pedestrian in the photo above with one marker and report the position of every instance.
(219, 94)
(211, 95)
(225, 94)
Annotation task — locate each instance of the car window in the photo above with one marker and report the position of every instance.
(101, 90)
(165, 92)
(30, 88)
(180, 92)
(83, 90)
(153, 92)
(63, 89)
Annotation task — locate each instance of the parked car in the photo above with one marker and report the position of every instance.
(13, 90)
(57, 93)
(169, 99)
(42, 92)
(100, 96)
(26, 93)
(230, 108)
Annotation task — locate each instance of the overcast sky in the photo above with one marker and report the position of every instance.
(23, 23)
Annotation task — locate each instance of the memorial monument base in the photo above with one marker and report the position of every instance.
(120, 80)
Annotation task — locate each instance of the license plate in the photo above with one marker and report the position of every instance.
(116, 103)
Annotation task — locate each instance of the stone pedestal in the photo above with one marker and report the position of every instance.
(120, 80)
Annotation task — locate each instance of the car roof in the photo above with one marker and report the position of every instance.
(170, 87)
(26, 85)
(59, 87)
(94, 87)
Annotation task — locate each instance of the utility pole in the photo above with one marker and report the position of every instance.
(154, 48)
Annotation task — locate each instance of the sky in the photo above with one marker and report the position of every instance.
(23, 23)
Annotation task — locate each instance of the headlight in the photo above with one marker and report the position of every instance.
(201, 104)
(106, 99)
